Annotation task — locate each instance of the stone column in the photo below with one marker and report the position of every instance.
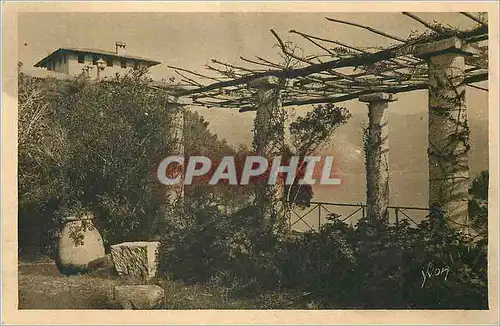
(377, 155)
(267, 136)
(176, 107)
(448, 130)
(269, 101)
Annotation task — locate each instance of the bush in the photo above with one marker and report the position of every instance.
(92, 147)
(118, 133)
(216, 245)
(478, 203)
(375, 265)
(42, 155)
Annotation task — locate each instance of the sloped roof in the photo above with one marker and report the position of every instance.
(43, 73)
(43, 62)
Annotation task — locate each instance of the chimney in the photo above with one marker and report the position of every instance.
(120, 47)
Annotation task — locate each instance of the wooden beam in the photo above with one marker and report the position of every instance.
(396, 89)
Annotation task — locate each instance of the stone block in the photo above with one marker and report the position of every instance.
(377, 97)
(139, 259)
(267, 82)
(174, 100)
(449, 45)
(139, 297)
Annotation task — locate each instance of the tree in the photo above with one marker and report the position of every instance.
(309, 134)
(92, 147)
(42, 154)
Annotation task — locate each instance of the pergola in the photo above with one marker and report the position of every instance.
(443, 60)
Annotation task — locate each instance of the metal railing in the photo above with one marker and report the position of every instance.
(344, 212)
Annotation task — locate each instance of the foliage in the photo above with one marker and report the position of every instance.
(308, 134)
(216, 246)
(478, 203)
(42, 149)
(199, 141)
(91, 147)
(369, 265)
(374, 265)
(316, 128)
(117, 134)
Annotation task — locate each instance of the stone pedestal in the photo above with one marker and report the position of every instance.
(138, 259)
(377, 155)
(448, 130)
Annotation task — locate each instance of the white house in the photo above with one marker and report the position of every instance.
(95, 63)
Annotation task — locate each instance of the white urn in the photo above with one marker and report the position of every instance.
(79, 244)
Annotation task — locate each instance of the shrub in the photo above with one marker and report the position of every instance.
(42, 155)
(375, 265)
(118, 133)
(478, 203)
(92, 147)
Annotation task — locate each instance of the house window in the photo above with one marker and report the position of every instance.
(136, 65)
(123, 63)
(60, 59)
(94, 59)
(65, 58)
(109, 61)
(81, 58)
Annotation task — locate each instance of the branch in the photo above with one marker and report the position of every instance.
(265, 63)
(226, 73)
(371, 29)
(232, 66)
(193, 73)
(478, 87)
(269, 62)
(394, 90)
(477, 20)
(414, 17)
(188, 80)
(288, 53)
(347, 62)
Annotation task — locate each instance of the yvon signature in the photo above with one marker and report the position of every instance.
(434, 272)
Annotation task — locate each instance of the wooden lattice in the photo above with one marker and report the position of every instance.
(318, 78)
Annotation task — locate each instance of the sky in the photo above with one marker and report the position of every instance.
(191, 40)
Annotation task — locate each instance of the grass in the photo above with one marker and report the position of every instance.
(42, 286)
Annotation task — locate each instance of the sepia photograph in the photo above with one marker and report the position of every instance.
(253, 160)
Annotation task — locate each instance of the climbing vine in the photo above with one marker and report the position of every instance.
(375, 158)
(448, 137)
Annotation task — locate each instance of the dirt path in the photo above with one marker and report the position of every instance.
(41, 286)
